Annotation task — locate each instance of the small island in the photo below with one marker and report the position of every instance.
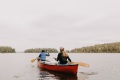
(37, 50)
(6, 49)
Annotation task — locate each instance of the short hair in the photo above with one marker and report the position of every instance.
(43, 50)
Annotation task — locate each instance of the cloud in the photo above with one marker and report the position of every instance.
(29, 24)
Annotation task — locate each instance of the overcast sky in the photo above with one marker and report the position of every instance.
(58, 23)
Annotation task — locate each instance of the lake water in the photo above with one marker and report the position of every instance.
(18, 66)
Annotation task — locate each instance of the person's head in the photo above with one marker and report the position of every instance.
(43, 50)
(61, 49)
(63, 52)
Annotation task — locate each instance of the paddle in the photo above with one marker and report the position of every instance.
(81, 64)
(33, 60)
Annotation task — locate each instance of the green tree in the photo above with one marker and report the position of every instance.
(6, 49)
(37, 50)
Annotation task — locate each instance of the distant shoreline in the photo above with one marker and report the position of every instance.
(98, 48)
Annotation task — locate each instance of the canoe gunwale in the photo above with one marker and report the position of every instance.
(59, 64)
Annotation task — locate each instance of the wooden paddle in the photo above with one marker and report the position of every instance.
(33, 60)
(81, 64)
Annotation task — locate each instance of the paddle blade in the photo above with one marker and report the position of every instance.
(81, 64)
(33, 60)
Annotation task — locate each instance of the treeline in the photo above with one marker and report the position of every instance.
(6, 49)
(100, 48)
(37, 50)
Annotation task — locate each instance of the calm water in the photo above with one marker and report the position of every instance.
(18, 67)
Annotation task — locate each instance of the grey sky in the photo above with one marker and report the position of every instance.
(54, 23)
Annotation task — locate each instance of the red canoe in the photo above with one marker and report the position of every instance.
(66, 68)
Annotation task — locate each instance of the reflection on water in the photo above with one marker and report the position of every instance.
(51, 75)
(19, 67)
(47, 75)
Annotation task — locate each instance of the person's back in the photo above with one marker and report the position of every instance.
(43, 55)
(62, 57)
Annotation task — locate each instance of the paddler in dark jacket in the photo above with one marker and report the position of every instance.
(62, 57)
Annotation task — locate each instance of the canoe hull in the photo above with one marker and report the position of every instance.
(71, 69)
